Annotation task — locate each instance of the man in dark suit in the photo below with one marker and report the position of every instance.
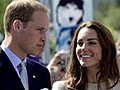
(25, 26)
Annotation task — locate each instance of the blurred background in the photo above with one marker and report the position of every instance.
(65, 15)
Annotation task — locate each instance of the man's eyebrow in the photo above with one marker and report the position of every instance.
(43, 28)
(40, 27)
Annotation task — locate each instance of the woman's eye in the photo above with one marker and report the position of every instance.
(92, 43)
(80, 44)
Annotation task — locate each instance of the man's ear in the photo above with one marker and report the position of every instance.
(17, 25)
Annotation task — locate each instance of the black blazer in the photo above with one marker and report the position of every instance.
(38, 75)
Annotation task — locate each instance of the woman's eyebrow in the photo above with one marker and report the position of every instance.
(88, 39)
(92, 39)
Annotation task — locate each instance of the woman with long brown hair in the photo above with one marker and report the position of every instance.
(92, 64)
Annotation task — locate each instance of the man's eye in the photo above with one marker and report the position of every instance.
(41, 30)
(38, 28)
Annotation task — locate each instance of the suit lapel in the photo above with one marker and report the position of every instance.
(34, 82)
(8, 73)
(30, 75)
(36, 78)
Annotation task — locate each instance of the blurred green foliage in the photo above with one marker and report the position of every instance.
(108, 12)
(3, 4)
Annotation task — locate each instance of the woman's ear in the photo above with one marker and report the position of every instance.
(17, 25)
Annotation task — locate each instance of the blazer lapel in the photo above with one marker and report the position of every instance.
(36, 79)
(30, 75)
(8, 73)
(32, 78)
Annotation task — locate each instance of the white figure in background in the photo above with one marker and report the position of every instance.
(69, 14)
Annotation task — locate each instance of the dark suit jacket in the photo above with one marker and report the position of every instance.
(38, 75)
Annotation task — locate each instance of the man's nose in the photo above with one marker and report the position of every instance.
(43, 37)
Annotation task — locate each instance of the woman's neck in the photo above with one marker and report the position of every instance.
(92, 72)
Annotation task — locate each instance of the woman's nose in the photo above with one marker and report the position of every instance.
(84, 47)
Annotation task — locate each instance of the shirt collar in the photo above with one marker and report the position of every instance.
(15, 60)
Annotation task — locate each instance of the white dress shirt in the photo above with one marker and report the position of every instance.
(15, 60)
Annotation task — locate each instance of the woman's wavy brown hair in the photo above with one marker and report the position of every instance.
(77, 75)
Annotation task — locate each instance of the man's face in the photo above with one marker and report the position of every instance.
(32, 38)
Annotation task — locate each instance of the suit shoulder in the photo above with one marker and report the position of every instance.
(37, 65)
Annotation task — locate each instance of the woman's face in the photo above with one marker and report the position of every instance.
(88, 50)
